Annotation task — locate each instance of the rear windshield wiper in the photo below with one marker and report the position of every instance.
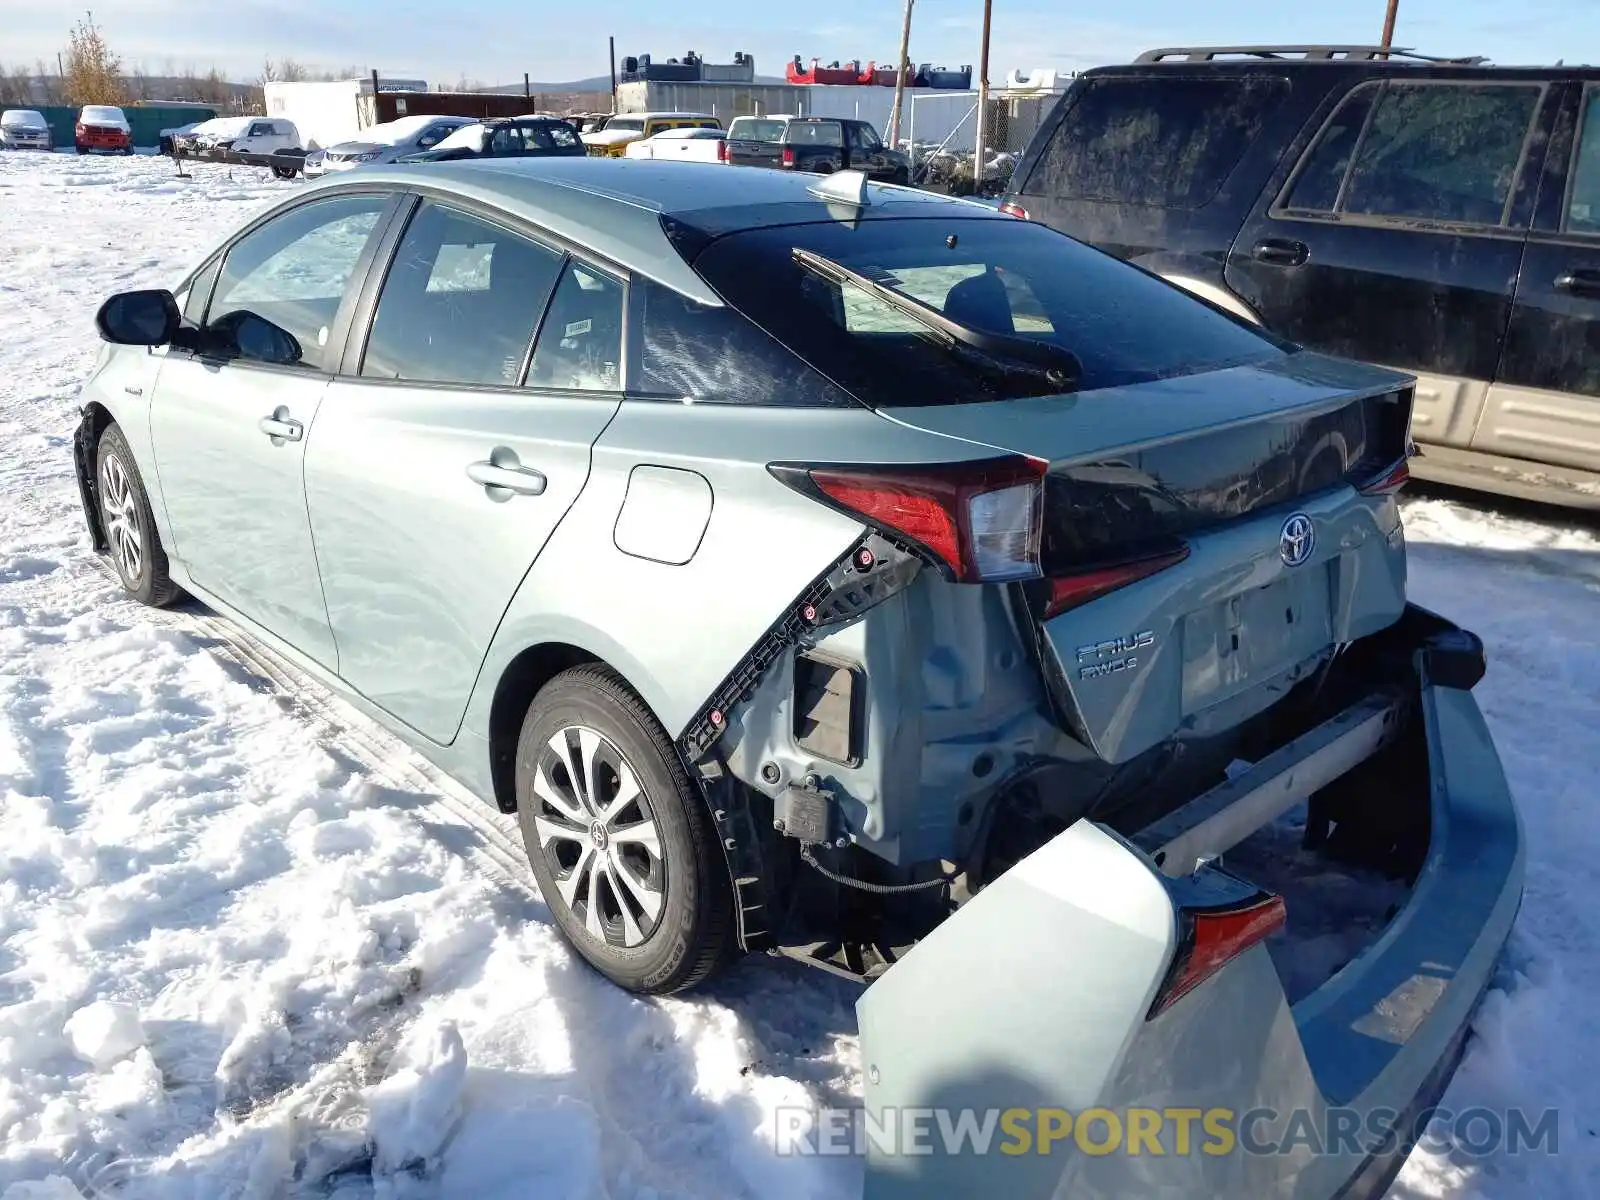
(1055, 364)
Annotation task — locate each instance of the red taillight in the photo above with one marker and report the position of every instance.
(722, 151)
(1391, 480)
(1214, 937)
(980, 521)
(1070, 591)
(788, 156)
(1012, 209)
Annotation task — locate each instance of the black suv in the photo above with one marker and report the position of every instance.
(822, 145)
(1437, 216)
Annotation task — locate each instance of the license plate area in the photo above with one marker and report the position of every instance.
(1246, 639)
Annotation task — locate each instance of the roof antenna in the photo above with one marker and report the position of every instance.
(844, 187)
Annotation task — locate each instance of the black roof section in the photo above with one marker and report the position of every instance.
(1203, 54)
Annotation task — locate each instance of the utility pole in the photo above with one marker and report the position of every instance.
(900, 79)
(613, 44)
(1388, 24)
(981, 112)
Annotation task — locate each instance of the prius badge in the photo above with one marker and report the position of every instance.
(1297, 540)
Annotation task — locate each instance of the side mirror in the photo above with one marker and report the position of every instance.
(145, 318)
(246, 335)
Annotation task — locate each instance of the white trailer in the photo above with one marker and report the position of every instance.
(329, 113)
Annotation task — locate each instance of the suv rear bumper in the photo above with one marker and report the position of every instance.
(1073, 943)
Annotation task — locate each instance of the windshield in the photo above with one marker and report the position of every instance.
(626, 124)
(392, 133)
(103, 113)
(755, 129)
(22, 118)
(1011, 278)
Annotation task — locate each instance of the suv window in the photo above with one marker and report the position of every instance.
(1005, 277)
(1167, 143)
(1426, 150)
(295, 269)
(1442, 151)
(862, 137)
(580, 341)
(1583, 204)
(459, 303)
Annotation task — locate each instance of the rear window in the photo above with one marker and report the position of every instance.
(1002, 277)
(814, 133)
(1160, 143)
(755, 129)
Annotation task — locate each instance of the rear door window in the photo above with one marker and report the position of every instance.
(1583, 199)
(814, 133)
(1434, 151)
(460, 302)
(1167, 143)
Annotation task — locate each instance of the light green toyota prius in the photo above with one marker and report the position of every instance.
(846, 572)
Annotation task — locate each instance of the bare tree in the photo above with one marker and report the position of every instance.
(283, 70)
(93, 72)
(49, 83)
(137, 83)
(15, 85)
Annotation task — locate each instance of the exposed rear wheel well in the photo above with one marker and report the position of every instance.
(96, 420)
(526, 674)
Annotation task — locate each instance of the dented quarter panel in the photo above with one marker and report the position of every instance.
(676, 631)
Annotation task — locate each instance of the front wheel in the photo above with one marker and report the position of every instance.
(284, 172)
(129, 525)
(619, 838)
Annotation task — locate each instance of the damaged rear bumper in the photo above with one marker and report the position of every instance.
(1029, 1006)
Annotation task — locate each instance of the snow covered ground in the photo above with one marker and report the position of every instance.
(252, 947)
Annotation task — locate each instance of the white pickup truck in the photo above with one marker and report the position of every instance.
(683, 145)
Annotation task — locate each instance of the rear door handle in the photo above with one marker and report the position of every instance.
(505, 471)
(1282, 252)
(281, 427)
(1579, 282)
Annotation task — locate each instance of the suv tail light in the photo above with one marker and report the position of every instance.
(788, 156)
(1210, 938)
(979, 522)
(1013, 209)
(722, 151)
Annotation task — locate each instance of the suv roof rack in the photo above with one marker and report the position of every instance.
(1307, 53)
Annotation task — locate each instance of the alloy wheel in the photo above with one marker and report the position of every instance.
(121, 511)
(599, 836)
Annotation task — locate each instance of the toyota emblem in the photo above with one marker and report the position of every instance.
(1298, 539)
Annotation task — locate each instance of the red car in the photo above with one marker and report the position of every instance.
(102, 129)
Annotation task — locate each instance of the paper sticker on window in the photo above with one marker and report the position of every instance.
(577, 327)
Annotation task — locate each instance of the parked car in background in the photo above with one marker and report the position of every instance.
(24, 129)
(1438, 216)
(509, 137)
(613, 140)
(171, 138)
(102, 129)
(385, 143)
(262, 136)
(681, 145)
(212, 138)
(756, 141)
(827, 144)
(865, 575)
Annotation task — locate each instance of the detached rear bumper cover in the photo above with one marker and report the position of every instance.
(1034, 995)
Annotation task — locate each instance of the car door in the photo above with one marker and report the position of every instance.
(866, 150)
(1399, 236)
(448, 451)
(229, 425)
(1545, 402)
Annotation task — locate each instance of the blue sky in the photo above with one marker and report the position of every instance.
(497, 40)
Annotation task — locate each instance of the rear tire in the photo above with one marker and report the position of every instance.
(284, 172)
(619, 837)
(130, 527)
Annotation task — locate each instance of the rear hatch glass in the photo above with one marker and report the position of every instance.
(1000, 276)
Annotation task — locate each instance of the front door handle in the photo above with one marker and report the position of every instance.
(1284, 252)
(281, 427)
(504, 475)
(1579, 282)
